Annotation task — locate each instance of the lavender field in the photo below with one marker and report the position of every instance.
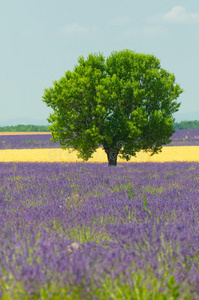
(180, 138)
(89, 231)
(27, 141)
(186, 137)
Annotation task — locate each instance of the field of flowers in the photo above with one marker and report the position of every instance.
(89, 231)
(27, 141)
(40, 141)
(35, 147)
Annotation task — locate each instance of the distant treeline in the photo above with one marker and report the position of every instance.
(186, 125)
(25, 128)
(42, 128)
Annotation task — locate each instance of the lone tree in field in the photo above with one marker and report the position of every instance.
(124, 103)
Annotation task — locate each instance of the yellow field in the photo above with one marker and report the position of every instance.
(168, 154)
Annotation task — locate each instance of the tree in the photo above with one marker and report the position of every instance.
(124, 103)
(186, 125)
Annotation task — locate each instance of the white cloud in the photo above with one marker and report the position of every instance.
(178, 14)
(131, 33)
(147, 31)
(73, 30)
(153, 31)
(120, 22)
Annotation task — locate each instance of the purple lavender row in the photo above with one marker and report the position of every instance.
(179, 138)
(83, 225)
(186, 137)
(27, 141)
(37, 141)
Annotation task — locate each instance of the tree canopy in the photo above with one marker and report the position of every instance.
(124, 102)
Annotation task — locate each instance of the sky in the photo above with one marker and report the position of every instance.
(42, 39)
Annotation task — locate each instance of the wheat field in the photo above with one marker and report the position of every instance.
(168, 154)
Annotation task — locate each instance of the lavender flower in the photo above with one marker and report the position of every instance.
(85, 229)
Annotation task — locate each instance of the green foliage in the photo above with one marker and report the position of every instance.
(42, 128)
(186, 125)
(25, 128)
(130, 192)
(146, 204)
(146, 287)
(124, 103)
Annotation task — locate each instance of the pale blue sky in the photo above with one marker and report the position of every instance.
(42, 39)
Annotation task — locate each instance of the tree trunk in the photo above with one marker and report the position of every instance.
(112, 156)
